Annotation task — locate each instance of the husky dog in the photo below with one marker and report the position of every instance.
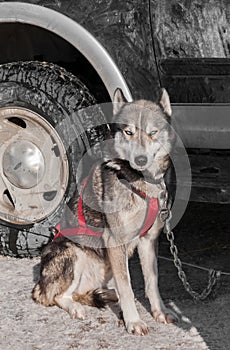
(122, 200)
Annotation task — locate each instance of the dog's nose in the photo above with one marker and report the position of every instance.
(141, 160)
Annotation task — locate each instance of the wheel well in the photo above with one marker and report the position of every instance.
(71, 32)
(25, 42)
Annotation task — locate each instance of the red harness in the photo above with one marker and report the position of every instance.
(83, 229)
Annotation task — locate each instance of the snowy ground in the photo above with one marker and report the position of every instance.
(25, 325)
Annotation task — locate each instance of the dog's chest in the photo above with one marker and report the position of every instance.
(123, 207)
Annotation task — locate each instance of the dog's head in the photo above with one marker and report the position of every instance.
(142, 132)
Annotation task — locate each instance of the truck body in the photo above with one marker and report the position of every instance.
(183, 46)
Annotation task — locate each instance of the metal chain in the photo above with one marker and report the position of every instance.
(213, 275)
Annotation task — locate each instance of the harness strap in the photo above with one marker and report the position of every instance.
(83, 229)
(75, 231)
(81, 218)
(151, 213)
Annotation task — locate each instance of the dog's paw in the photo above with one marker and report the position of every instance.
(166, 316)
(113, 164)
(137, 328)
(77, 312)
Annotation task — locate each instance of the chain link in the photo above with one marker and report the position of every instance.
(213, 275)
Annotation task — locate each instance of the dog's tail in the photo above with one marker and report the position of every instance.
(98, 297)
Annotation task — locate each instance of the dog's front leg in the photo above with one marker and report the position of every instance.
(147, 249)
(119, 262)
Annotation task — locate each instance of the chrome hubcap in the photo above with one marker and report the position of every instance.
(23, 164)
(33, 166)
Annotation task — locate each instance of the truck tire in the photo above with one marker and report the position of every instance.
(43, 138)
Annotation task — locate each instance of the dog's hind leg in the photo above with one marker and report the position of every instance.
(56, 273)
(119, 262)
(147, 249)
(66, 302)
(59, 277)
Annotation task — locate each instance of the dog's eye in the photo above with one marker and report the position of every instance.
(128, 132)
(153, 132)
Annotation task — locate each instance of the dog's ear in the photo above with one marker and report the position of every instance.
(164, 102)
(118, 100)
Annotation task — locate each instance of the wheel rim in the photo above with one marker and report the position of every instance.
(33, 166)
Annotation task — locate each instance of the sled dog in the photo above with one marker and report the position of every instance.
(119, 209)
